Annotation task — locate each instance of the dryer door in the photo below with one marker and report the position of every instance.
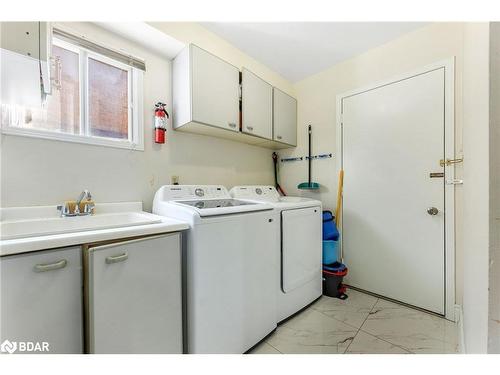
(300, 247)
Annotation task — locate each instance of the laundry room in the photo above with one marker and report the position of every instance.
(297, 185)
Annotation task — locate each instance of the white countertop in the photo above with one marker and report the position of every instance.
(27, 244)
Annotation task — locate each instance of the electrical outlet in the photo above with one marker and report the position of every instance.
(174, 180)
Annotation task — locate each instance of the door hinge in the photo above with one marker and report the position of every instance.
(455, 182)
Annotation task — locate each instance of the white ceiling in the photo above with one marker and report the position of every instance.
(146, 35)
(299, 49)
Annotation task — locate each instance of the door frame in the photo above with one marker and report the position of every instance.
(449, 153)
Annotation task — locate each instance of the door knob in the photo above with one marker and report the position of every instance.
(432, 211)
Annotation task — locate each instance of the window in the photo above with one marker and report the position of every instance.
(95, 99)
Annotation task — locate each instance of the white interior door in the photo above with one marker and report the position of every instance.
(394, 221)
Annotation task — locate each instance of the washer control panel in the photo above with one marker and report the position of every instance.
(188, 192)
(265, 193)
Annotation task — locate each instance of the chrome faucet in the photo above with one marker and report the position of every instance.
(88, 209)
(83, 195)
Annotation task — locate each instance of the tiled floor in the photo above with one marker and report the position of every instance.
(361, 324)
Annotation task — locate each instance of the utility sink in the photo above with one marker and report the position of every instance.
(36, 227)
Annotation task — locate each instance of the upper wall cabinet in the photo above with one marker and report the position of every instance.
(257, 105)
(25, 69)
(206, 100)
(206, 90)
(284, 118)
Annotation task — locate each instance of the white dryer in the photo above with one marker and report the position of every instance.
(229, 263)
(300, 248)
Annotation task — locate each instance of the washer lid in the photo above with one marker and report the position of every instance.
(295, 202)
(215, 203)
(269, 194)
(214, 207)
(261, 193)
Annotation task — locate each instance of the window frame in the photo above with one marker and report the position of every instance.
(135, 139)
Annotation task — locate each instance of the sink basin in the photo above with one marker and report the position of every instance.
(58, 225)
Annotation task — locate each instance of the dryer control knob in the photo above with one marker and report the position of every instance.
(199, 192)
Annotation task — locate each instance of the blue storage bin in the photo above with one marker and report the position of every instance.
(330, 251)
(330, 231)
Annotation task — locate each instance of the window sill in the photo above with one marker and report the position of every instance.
(73, 138)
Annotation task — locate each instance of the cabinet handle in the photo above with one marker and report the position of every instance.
(116, 258)
(51, 266)
(57, 65)
(232, 124)
(250, 128)
(278, 136)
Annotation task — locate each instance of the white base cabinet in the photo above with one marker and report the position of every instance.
(133, 295)
(41, 300)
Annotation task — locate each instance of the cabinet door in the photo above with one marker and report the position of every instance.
(215, 90)
(134, 296)
(41, 299)
(284, 118)
(257, 105)
(32, 40)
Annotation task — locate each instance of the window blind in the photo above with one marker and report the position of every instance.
(105, 51)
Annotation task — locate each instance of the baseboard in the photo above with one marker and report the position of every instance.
(459, 319)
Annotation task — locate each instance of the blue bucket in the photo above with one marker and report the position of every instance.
(330, 231)
(330, 252)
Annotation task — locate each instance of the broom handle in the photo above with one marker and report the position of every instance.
(338, 211)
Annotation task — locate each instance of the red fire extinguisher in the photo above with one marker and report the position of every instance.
(161, 116)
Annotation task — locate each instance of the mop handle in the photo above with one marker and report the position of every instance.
(309, 130)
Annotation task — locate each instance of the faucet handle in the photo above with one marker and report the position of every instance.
(63, 209)
(89, 208)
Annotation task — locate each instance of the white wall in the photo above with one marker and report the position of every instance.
(476, 186)
(38, 172)
(494, 282)
(317, 105)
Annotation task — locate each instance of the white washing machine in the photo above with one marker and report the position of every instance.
(229, 263)
(300, 248)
